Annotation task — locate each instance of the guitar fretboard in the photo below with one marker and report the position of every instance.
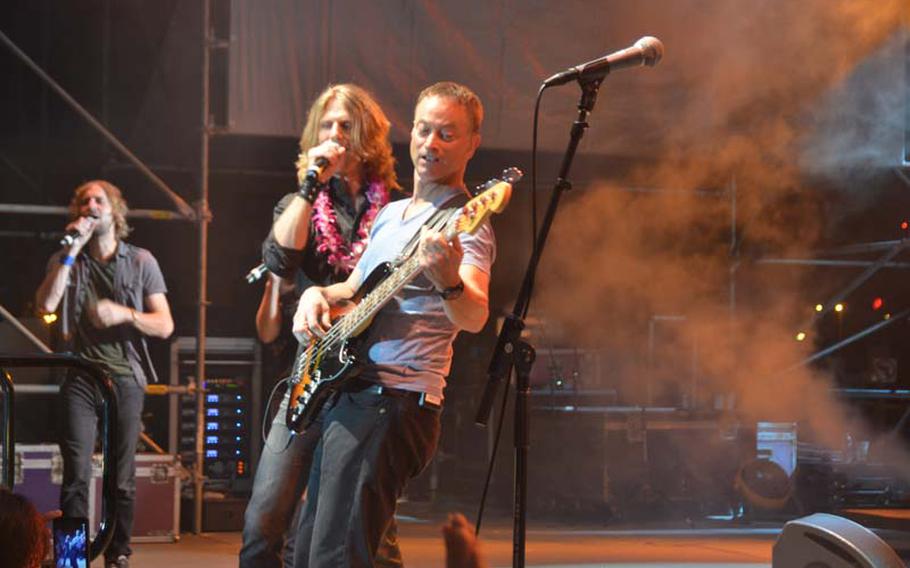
(364, 311)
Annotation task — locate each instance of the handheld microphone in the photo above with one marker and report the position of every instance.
(256, 273)
(309, 187)
(69, 237)
(646, 51)
(315, 169)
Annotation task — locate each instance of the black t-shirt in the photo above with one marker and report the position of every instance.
(313, 265)
(307, 267)
(101, 346)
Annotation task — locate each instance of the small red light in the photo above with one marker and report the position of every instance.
(877, 303)
(904, 225)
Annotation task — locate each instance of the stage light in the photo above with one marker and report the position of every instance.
(838, 307)
(887, 316)
(763, 484)
(819, 307)
(801, 336)
(905, 225)
(49, 318)
(877, 303)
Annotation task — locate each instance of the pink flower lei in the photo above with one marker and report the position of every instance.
(341, 255)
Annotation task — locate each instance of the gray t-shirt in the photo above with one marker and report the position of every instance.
(136, 277)
(410, 340)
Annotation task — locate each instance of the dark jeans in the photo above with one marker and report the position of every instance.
(371, 445)
(81, 410)
(279, 484)
(278, 487)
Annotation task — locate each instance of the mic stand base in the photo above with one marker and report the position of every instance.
(524, 361)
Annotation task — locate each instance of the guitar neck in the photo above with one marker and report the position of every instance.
(363, 312)
(378, 297)
(408, 270)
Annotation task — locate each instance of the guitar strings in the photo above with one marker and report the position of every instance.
(394, 280)
(402, 274)
(398, 278)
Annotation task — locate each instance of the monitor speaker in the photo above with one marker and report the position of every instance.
(829, 541)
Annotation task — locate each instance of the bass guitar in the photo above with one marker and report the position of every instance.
(323, 365)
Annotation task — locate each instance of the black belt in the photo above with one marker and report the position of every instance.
(423, 399)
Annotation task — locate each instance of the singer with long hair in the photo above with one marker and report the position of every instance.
(110, 296)
(345, 174)
(381, 427)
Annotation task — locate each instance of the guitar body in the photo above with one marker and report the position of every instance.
(320, 372)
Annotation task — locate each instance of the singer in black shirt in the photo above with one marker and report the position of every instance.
(317, 236)
(310, 266)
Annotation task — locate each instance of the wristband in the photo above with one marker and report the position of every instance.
(309, 190)
(67, 260)
(133, 315)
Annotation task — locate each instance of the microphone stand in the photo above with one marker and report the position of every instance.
(511, 351)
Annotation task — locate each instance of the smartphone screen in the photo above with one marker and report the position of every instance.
(71, 542)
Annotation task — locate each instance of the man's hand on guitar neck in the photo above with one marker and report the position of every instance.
(440, 259)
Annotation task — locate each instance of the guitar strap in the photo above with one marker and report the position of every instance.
(436, 222)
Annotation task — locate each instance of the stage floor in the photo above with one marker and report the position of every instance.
(551, 544)
(547, 545)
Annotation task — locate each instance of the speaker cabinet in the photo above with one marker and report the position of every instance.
(566, 472)
(829, 541)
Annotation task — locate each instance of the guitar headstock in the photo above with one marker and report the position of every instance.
(510, 175)
(492, 199)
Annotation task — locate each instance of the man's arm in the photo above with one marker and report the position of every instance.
(280, 260)
(268, 316)
(51, 290)
(292, 228)
(470, 310)
(49, 294)
(442, 264)
(156, 321)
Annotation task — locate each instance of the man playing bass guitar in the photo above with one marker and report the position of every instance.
(381, 428)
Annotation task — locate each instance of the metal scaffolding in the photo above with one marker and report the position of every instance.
(200, 214)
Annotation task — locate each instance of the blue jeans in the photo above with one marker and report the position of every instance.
(371, 445)
(81, 407)
(278, 488)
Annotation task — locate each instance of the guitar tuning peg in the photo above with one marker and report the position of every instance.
(512, 175)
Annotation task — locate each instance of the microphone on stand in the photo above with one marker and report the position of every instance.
(646, 51)
(256, 273)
